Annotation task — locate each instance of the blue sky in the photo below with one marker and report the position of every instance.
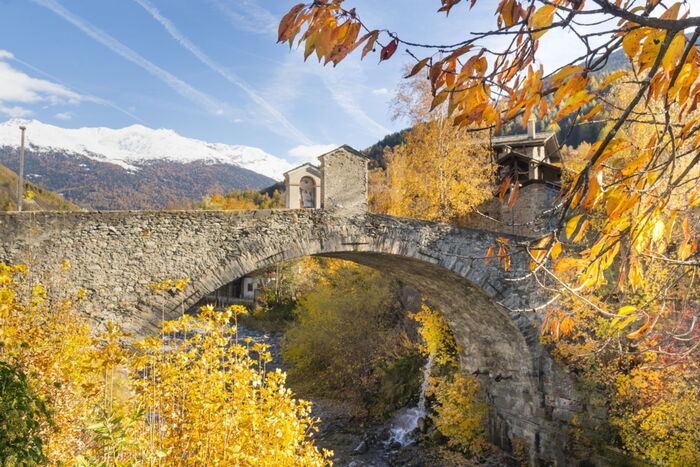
(209, 69)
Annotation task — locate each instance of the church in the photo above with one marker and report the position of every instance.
(338, 182)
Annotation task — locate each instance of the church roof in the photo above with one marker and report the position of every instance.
(347, 148)
(308, 166)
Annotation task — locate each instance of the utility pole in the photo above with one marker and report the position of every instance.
(20, 180)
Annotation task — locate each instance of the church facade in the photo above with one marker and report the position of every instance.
(338, 182)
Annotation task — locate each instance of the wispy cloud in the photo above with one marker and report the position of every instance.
(184, 89)
(343, 91)
(85, 97)
(185, 42)
(64, 115)
(309, 153)
(19, 89)
(247, 15)
(342, 84)
(14, 111)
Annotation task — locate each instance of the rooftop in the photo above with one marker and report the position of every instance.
(540, 136)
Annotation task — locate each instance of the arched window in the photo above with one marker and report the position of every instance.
(307, 192)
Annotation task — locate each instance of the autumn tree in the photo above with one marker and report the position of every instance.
(240, 199)
(439, 172)
(194, 394)
(350, 340)
(642, 199)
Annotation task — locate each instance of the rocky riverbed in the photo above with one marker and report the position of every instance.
(356, 443)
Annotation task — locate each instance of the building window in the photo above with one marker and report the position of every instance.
(250, 286)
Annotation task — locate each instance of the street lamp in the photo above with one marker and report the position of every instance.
(20, 180)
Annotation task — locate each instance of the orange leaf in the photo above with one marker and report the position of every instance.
(657, 232)
(371, 39)
(565, 264)
(556, 250)
(674, 52)
(592, 113)
(417, 67)
(439, 99)
(612, 77)
(540, 249)
(571, 225)
(581, 231)
(554, 328)
(641, 331)
(565, 72)
(687, 248)
(513, 194)
(287, 22)
(503, 188)
(566, 326)
(489, 255)
(633, 41)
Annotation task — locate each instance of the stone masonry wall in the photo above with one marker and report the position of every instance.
(344, 180)
(116, 255)
(525, 219)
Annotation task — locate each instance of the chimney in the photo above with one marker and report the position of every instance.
(531, 127)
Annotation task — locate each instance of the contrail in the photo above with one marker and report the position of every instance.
(340, 92)
(179, 86)
(344, 98)
(229, 76)
(255, 18)
(89, 98)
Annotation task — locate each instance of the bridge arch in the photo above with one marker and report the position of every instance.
(115, 255)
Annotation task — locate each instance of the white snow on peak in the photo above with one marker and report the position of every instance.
(137, 143)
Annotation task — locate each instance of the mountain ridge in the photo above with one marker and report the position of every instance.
(135, 167)
(135, 144)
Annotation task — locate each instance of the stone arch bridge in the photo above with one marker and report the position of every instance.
(116, 255)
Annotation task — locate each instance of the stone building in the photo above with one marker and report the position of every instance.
(303, 187)
(532, 159)
(339, 182)
(239, 292)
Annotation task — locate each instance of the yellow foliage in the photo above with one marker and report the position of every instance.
(191, 395)
(439, 173)
(346, 328)
(460, 411)
(658, 414)
(438, 341)
(215, 404)
(46, 339)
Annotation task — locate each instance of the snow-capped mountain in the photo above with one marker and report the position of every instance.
(134, 167)
(131, 146)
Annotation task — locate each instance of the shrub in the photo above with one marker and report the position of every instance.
(22, 414)
(460, 413)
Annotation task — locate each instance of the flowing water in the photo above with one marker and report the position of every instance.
(383, 445)
(404, 425)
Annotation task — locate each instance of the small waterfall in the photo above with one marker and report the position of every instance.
(406, 422)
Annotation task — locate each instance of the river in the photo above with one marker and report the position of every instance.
(400, 441)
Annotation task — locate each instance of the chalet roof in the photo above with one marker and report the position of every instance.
(548, 139)
(523, 139)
